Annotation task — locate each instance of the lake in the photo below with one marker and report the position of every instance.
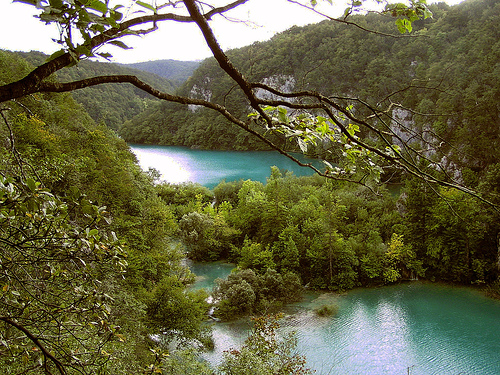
(414, 328)
(208, 168)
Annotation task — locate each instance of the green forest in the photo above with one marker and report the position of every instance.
(176, 71)
(93, 277)
(446, 72)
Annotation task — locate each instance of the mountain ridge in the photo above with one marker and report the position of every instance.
(178, 71)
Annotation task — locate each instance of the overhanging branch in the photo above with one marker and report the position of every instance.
(32, 82)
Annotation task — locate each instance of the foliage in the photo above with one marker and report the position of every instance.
(301, 54)
(443, 82)
(75, 167)
(401, 260)
(326, 310)
(60, 291)
(111, 105)
(336, 237)
(246, 292)
(55, 258)
(185, 362)
(205, 231)
(177, 72)
(176, 313)
(184, 198)
(265, 353)
(454, 237)
(99, 24)
(254, 256)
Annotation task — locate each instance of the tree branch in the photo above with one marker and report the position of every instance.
(32, 82)
(37, 342)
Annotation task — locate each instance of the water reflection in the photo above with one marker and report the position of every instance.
(413, 329)
(208, 167)
(171, 168)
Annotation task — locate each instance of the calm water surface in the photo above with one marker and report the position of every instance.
(182, 164)
(415, 328)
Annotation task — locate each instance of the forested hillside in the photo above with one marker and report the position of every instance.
(85, 255)
(111, 105)
(446, 72)
(176, 71)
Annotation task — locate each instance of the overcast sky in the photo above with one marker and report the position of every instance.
(20, 31)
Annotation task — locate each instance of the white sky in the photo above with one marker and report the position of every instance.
(20, 31)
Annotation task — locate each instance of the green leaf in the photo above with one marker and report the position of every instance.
(403, 25)
(84, 50)
(99, 6)
(56, 54)
(146, 5)
(282, 115)
(56, 3)
(117, 16)
(119, 44)
(105, 55)
(31, 184)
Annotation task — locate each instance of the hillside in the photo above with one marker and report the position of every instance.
(176, 71)
(446, 72)
(56, 166)
(108, 104)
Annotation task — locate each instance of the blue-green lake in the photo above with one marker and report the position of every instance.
(415, 328)
(208, 168)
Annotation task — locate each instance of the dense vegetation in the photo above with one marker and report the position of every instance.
(448, 75)
(101, 289)
(338, 237)
(91, 272)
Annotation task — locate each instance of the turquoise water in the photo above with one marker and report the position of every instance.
(182, 164)
(207, 272)
(415, 328)
(412, 328)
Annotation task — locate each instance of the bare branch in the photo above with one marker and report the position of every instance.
(345, 21)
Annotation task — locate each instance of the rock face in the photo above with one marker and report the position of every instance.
(281, 82)
(201, 91)
(406, 132)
